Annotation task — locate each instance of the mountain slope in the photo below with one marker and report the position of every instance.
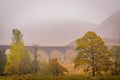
(110, 28)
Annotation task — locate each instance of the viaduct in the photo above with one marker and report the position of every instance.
(46, 49)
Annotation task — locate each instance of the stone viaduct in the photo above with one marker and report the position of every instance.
(46, 49)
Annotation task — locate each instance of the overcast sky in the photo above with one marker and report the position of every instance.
(52, 22)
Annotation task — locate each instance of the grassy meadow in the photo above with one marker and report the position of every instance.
(67, 77)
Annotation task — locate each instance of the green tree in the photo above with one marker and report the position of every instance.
(3, 60)
(18, 59)
(116, 60)
(56, 69)
(92, 55)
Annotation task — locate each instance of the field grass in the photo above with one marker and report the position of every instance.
(71, 77)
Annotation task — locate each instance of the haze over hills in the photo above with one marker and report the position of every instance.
(58, 33)
(63, 32)
(52, 22)
(109, 30)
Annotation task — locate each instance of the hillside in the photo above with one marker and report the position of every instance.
(110, 28)
(108, 42)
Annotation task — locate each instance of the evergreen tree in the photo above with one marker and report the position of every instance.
(92, 55)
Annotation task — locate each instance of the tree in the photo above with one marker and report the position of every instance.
(116, 60)
(18, 59)
(56, 69)
(3, 59)
(92, 55)
(35, 63)
(44, 69)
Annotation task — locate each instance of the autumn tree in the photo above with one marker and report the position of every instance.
(116, 60)
(18, 59)
(56, 69)
(3, 60)
(93, 56)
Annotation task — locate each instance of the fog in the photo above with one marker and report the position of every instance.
(52, 22)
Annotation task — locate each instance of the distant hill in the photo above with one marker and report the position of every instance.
(112, 42)
(73, 43)
(108, 42)
(110, 28)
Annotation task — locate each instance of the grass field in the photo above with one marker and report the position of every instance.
(71, 77)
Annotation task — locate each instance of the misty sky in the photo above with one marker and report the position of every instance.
(52, 22)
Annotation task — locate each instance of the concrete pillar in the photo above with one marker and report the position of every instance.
(48, 57)
(63, 56)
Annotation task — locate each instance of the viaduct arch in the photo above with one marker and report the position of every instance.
(47, 49)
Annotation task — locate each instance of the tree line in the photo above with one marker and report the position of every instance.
(93, 56)
(20, 61)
